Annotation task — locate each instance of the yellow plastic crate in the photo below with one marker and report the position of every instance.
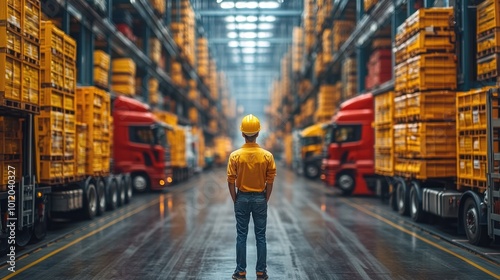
(80, 169)
(52, 97)
(488, 43)
(70, 48)
(474, 97)
(479, 167)
(123, 79)
(401, 77)
(69, 121)
(384, 108)
(464, 168)
(487, 67)
(426, 168)
(400, 145)
(102, 59)
(51, 171)
(10, 40)
(14, 170)
(384, 163)
(473, 142)
(431, 106)
(431, 140)
(11, 125)
(488, 16)
(31, 51)
(70, 75)
(52, 39)
(11, 12)
(432, 79)
(69, 102)
(384, 138)
(123, 66)
(464, 142)
(123, 89)
(31, 84)
(50, 119)
(32, 18)
(400, 108)
(51, 144)
(69, 168)
(52, 70)
(10, 82)
(435, 17)
(426, 41)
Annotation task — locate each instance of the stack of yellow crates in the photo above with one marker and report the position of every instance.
(155, 50)
(10, 150)
(472, 138)
(193, 94)
(123, 77)
(349, 78)
(488, 40)
(202, 57)
(425, 80)
(384, 154)
(159, 7)
(57, 120)
(183, 28)
(328, 98)
(308, 20)
(177, 75)
(327, 47)
(154, 91)
(102, 62)
(297, 49)
(20, 55)
(93, 110)
(81, 149)
(194, 117)
(342, 29)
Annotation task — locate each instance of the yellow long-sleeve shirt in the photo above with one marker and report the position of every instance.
(250, 168)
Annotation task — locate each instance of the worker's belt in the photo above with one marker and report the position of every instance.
(252, 193)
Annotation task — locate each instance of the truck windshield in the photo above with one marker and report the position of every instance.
(160, 136)
(307, 141)
(346, 133)
(141, 135)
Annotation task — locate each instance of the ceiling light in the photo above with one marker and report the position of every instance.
(233, 44)
(241, 18)
(227, 5)
(267, 18)
(248, 50)
(231, 26)
(265, 35)
(240, 5)
(263, 44)
(252, 18)
(248, 59)
(252, 5)
(232, 35)
(250, 44)
(269, 5)
(236, 59)
(230, 19)
(247, 26)
(266, 26)
(249, 35)
(218, 1)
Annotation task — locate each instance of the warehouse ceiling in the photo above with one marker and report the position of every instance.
(248, 40)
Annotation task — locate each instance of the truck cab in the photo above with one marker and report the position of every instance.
(348, 161)
(311, 150)
(140, 145)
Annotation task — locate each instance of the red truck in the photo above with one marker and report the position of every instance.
(349, 160)
(140, 145)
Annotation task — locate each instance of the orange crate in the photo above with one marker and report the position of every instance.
(430, 106)
(435, 17)
(401, 77)
(32, 17)
(426, 41)
(102, 59)
(400, 107)
(70, 48)
(69, 168)
(31, 51)
(81, 143)
(69, 75)
(431, 140)
(69, 144)
(11, 12)
(384, 163)
(488, 16)
(479, 167)
(51, 144)
(401, 54)
(488, 67)
(420, 79)
(384, 138)
(384, 106)
(50, 119)
(434, 60)
(10, 40)
(50, 170)
(101, 77)
(69, 102)
(10, 82)
(123, 89)
(52, 67)
(11, 125)
(464, 168)
(489, 43)
(31, 84)
(426, 168)
(69, 121)
(400, 145)
(52, 97)
(474, 97)
(52, 38)
(10, 168)
(464, 143)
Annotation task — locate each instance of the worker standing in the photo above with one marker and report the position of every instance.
(251, 169)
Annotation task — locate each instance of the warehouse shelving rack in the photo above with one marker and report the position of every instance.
(93, 24)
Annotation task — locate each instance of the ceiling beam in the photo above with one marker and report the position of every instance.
(274, 40)
(248, 12)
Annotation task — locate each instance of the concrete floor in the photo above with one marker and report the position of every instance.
(188, 232)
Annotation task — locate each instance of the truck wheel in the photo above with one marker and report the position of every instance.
(311, 171)
(23, 236)
(101, 196)
(416, 212)
(402, 196)
(112, 193)
(90, 201)
(346, 183)
(476, 233)
(128, 188)
(121, 192)
(140, 183)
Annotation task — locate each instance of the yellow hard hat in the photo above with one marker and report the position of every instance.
(250, 125)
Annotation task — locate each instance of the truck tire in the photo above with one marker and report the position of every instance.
(311, 171)
(90, 200)
(416, 212)
(476, 233)
(101, 196)
(128, 188)
(140, 183)
(402, 196)
(23, 236)
(121, 192)
(112, 195)
(346, 183)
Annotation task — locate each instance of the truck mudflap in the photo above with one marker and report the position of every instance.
(443, 203)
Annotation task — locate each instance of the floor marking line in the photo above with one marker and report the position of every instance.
(495, 275)
(76, 241)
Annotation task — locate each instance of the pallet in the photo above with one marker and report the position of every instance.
(490, 76)
(468, 183)
(58, 87)
(18, 105)
(32, 61)
(492, 50)
(51, 158)
(10, 26)
(5, 157)
(486, 33)
(11, 52)
(32, 38)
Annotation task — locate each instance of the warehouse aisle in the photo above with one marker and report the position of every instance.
(189, 233)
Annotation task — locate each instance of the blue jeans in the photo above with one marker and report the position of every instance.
(246, 204)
